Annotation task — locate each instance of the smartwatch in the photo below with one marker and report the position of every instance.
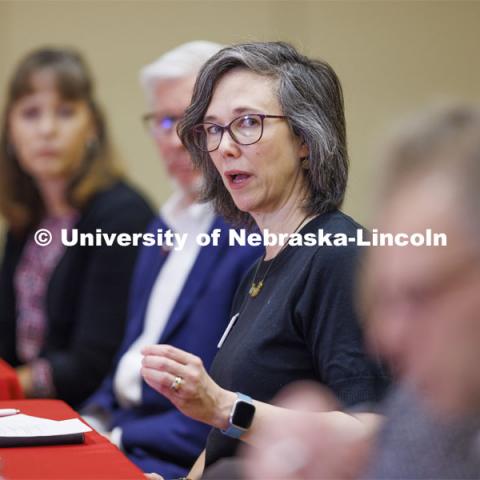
(241, 416)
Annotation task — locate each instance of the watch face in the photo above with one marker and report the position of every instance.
(243, 414)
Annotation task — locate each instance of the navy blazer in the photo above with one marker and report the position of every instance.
(155, 435)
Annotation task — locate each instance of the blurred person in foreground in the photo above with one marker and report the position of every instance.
(180, 297)
(423, 303)
(62, 309)
(422, 310)
(266, 125)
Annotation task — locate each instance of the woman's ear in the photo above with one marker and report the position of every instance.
(303, 151)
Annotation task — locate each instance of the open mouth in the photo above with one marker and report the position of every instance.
(237, 179)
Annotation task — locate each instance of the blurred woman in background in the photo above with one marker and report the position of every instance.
(62, 310)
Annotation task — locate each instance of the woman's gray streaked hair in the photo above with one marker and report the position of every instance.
(310, 95)
(181, 61)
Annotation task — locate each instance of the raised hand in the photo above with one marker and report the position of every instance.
(182, 378)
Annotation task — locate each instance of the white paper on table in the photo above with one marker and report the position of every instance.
(21, 425)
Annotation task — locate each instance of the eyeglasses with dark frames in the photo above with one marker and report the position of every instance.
(244, 130)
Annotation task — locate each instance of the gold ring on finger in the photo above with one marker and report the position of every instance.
(176, 384)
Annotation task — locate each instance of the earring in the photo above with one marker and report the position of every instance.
(305, 163)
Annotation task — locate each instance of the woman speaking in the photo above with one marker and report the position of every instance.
(266, 125)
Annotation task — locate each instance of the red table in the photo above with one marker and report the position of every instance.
(96, 459)
(9, 386)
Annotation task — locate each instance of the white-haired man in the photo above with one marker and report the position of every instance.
(178, 297)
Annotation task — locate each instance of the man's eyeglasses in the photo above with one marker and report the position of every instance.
(160, 125)
(244, 130)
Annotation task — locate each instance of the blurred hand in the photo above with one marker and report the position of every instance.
(307, 449)
(24, 374)
(197, 396)
(153, 476)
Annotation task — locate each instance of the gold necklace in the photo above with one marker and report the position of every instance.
(255, 288)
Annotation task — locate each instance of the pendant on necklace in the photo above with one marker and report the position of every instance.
(255, 288)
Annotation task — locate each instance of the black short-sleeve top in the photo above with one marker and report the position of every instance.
(301, 326)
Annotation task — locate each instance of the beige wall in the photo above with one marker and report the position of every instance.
(391, 57)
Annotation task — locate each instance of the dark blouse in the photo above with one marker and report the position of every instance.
(302, 325)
